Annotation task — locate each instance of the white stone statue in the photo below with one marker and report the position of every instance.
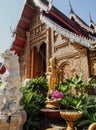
(10, 94)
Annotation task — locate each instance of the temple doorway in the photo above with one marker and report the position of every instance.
(39, 62)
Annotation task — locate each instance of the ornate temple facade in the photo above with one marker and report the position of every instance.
(42, 33)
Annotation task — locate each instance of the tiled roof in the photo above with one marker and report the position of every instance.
(76, 30)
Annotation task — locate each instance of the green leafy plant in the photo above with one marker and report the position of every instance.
(89, 112)
(33, 99)
(76, 84)
(75, 92)
(38, 85)
(73, 102)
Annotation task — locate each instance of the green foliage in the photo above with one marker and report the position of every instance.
(75, 92)
(89, 112)
(77, 84)
(34, 96)
(73, 102)
(38, 85)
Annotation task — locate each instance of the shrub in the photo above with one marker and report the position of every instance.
(75, 91)
(34, 96)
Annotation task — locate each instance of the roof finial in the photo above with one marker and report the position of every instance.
(13, 32)
(91, 21)
(50, 5)
(71, 9)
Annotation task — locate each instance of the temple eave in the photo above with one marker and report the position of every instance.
(72, 36)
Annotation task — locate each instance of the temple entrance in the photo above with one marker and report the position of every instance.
(39, 67)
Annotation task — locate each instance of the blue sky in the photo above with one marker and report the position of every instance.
(10, 12)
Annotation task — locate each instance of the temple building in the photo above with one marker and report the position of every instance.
(44, 32)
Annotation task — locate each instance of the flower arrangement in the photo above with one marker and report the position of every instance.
(57, 95)
(54, 101)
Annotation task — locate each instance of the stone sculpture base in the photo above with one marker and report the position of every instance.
(13, 122)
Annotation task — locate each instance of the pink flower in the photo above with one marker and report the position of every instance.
(56, 94)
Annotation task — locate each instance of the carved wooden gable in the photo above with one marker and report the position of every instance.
(63, 46)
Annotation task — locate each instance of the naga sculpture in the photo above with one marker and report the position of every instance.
(10, 94)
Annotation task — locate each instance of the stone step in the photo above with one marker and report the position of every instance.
(56, 127)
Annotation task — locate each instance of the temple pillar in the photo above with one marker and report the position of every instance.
(32, 62)
(28, 66)
(48, 46)
(53, 40)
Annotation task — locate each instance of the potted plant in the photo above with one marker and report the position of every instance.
(71, 112)
(75, 94)
(54, 101)
(51, 110)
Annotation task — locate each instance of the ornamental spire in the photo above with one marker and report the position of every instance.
(71, 9)
(91, 21)
(50, 5)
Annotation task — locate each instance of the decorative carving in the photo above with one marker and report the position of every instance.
(67, 70)
(92, 63)
(32, 33)
(65, 49)
(37, 30)
(21, 33)
(72, 36)
(93, 67)
(60, 39)
(43, 27)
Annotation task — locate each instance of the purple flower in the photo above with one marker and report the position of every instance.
(56, 94)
